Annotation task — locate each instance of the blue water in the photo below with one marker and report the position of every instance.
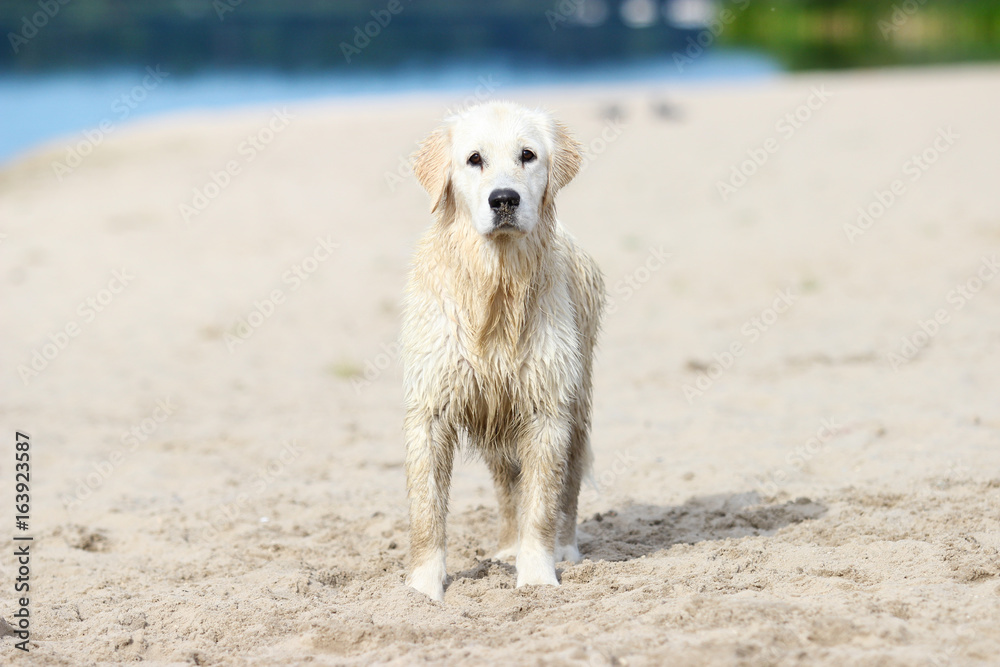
(35, 109)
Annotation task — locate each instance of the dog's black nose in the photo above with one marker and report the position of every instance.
(504, 198)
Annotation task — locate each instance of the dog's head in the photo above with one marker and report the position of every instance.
(499, 165)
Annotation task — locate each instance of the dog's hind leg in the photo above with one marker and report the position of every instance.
(577, 465)
(430, 450)
(505, 474)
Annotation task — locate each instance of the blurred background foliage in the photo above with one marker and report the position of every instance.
(809, 34)
(189, 35)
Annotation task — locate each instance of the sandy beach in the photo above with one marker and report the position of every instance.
(796, 426)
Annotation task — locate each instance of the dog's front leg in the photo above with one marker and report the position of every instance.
(542, 451)
(430, 446)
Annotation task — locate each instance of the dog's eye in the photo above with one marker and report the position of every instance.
(527, 156)
(476, 160)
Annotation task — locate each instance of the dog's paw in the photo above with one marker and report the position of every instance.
(568, 552)
(429, 580)
(536, 570)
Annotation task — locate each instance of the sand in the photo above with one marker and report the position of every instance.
(780, 478)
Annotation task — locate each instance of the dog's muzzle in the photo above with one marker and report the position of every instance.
(503, 203)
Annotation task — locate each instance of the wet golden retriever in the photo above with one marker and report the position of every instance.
(501, 317)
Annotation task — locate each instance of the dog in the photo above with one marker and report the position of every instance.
(501, 316)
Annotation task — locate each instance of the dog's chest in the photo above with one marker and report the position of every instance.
(537, 365)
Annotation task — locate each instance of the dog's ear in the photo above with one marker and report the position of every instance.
(432, 165)
(565, 157)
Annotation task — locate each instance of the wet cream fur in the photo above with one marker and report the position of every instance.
(498, 339)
